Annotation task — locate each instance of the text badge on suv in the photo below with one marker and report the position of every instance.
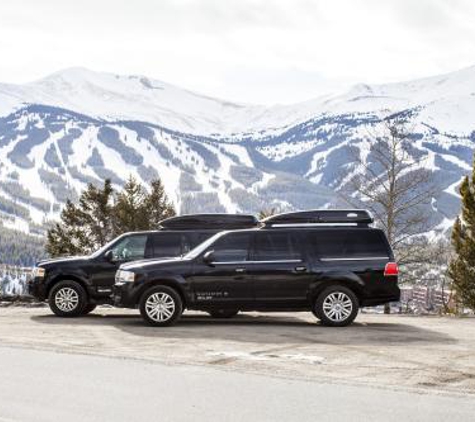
(330, 262)
(74, 286)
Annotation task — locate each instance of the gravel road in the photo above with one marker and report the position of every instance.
(424, 354)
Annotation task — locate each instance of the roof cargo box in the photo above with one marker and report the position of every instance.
(320, 217)
(210, 221)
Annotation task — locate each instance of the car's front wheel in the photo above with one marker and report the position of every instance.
(161, 306)
(67, 299)
(336, 306)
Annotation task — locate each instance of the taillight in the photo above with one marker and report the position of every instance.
(391, 268)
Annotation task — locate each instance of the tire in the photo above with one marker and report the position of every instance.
(336, 306)
(67, 299)
(89, 308)
(161, 306)
(223, 313)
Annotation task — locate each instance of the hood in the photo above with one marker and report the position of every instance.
(61, 260)
(146, 264)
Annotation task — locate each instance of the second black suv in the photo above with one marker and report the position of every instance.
(75, 286)
(328, 262)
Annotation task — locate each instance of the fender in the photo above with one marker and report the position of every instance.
(175, 281)
(76, 274)
(345, 278)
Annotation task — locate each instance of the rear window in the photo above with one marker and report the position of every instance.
(357, 243)
(166, 245)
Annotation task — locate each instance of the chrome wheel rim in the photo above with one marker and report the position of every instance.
(160, 307)
(337, 306)
(66, 299)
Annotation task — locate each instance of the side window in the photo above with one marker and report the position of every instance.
(275, 246)
(196, 238)
(233, 247)
(358, 243)
(166, 245)
(130, 249)
(370, 243)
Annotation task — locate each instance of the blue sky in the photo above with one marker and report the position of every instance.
(255, 51)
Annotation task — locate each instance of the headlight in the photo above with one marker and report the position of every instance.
(38, 272)
(123, 276)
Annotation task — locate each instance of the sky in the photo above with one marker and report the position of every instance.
(252, 51)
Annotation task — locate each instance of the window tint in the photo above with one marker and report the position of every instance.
(197, 238)
(274, 246)
(129, 249)
(192, 240)
(357, 243)
(231, 247)
(166, 245)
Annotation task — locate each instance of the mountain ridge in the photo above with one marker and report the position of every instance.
(78, 126)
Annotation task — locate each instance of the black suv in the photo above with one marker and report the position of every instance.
(74, 286)
(328, 262)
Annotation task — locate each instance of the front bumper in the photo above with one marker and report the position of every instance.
(125, 295)
(36, 287)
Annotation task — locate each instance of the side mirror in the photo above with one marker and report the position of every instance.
(109, 256)
(208, 257)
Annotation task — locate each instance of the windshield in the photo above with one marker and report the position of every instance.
(105, 248)
(203, 246)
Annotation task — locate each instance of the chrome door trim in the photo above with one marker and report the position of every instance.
(369, 258)
(282, 261)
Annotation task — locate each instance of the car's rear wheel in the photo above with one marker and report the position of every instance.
(67, 299)
(223, 313)
(161, 306)
(336, 306)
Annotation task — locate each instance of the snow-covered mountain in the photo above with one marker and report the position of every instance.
(78, 126)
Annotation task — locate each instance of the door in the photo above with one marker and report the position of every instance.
(129, 248)
(280, 274)
(226, 280)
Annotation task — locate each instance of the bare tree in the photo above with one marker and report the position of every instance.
(391, 181)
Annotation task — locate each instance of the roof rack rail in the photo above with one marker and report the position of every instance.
(210, 221)
(345, 217)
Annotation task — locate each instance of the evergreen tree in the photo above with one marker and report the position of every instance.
(101, 214)
(83, 227)
(130, 212)
(462, 266)
(157, 205)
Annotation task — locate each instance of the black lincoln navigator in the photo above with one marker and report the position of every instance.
(75, 286)
(328, 262)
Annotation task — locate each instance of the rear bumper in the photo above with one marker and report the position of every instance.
(394, 296)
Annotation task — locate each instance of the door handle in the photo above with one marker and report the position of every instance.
(300, 268)
(240, 270)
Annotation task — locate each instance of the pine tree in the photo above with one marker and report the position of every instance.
(83, 227)
(462, 266)
(101, 214)
(157, 205)
(130, 212)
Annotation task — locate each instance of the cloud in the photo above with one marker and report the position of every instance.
(249, 50)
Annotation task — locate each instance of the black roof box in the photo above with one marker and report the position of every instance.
(324, 217)
(210, 221)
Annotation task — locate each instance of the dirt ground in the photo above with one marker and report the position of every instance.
(400, 352)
